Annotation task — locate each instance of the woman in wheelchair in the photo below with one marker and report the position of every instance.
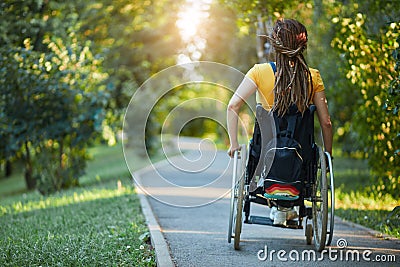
(280, 87)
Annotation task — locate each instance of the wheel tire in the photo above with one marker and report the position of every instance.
(331, 199)
(231, 215)
(240, 197)
(233, 203)
(239, 212)
(320, 204)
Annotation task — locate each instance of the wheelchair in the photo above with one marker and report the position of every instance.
(316, 201)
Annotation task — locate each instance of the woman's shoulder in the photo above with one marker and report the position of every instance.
(315, 74)
(314, 71)
(261, 74)
(266, 65)
(317, 80)
(261, 67)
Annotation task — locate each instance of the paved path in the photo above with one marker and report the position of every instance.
(192, 209)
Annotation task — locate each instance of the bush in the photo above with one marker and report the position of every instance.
(376, 119)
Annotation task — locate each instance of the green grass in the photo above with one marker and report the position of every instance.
(14, 184)
(373, 219)
(98, 223)
(354, 200)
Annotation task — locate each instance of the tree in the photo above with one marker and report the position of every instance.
(52, 99)
(365, 50)
(392, 107)
(72, 64)
(250, 11)
(226, 42)
(357, 72)
(136, 39)
(51, 107)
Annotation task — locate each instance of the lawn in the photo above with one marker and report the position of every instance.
(98, 223)
(354, 200)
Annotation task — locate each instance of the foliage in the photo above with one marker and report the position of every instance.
(223, 43)
(52, 101)
(73, 67)
(50, 108)
(137, 39)
(355, 203)
(357, 73)
(226, 43)
(371, 70)
(130, 41)
(392, 104)
(196, 113)
(249, 11)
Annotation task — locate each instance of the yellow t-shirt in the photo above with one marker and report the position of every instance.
(264, 77)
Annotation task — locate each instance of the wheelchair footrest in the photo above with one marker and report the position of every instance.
(267, 221)
(260, 220)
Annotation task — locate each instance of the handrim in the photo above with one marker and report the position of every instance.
(320, 204)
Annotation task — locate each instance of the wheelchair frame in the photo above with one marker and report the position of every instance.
(317, 189)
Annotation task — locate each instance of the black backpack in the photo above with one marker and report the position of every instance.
(282, 177)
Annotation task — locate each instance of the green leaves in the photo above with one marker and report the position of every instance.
(366, 52)
(392, 104)
(57, 58)
(52, 101)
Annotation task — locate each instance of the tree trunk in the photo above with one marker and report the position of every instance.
(30, 182)
(61, 152)
(318, 12)
(40, 33)
(8, 169)
(59, 172)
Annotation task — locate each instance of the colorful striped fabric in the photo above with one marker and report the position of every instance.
(282, 189)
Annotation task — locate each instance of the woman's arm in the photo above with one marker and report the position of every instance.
(245, 89)
(324, 119)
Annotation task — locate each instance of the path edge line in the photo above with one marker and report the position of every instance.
(161, 248)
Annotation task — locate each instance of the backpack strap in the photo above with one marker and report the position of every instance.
(291, 120)
(273, 66)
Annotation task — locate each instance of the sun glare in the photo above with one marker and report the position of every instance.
(190, 17)
(188, 22)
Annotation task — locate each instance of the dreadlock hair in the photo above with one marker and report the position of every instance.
(293, 82)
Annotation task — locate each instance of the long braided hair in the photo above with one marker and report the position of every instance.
(293, 82)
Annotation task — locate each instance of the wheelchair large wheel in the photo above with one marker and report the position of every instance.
(237, 196)
(239, 212)
(331, 199)
(234, 195)
(320, 203)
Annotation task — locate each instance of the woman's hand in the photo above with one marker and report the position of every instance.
(232, 149)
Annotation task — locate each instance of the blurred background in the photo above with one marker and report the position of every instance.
(69, 68)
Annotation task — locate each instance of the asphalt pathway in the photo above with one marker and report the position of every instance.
(190, 199)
